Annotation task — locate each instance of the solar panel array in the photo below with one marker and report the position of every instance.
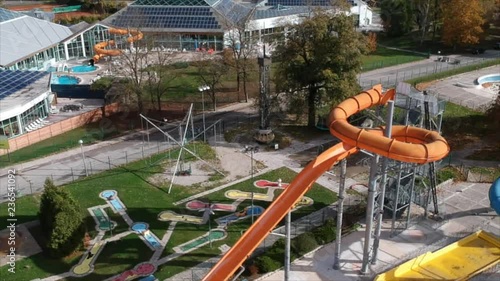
(322, 3)
(12, 81)
(167, 17)
(8, 15)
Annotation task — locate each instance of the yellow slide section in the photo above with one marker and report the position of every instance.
(459, 261)
(406, 144)
(100, 50)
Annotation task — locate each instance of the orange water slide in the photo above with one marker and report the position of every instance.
(406, 144)
(100, 48)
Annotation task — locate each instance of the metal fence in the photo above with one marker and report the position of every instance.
(416, 72)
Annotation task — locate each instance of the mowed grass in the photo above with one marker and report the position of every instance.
(88, 134)
(384, 57)
(144, 200)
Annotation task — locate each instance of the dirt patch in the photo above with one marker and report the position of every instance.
(231, 161)
(424, 85)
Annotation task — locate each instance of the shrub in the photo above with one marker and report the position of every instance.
(61, 220)
(267, 264)
(325, 233)
(304, 243)
(180, 65)
(372, 42)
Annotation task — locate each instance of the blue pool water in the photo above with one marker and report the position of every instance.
(65, 80)
(488, 79)
(83, 68)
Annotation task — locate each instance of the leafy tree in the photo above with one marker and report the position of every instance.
(396, 16)
(61, 220)
(319, 60)
(372, 42)
(160, 76)
(462, 20)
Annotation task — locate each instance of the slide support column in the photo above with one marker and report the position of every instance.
(287, 250)
(340, 210)
(369, 213)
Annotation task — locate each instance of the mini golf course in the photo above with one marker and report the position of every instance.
(145, 270)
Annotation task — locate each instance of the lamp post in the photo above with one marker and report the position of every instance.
(83, 158)
(202, 89)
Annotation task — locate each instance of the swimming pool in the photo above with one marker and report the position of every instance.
(65, 80)
(83, 68)
(488, 78)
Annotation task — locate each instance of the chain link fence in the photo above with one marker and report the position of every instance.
(416, 72)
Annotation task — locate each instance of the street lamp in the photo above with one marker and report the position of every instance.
(202, 89)
(83, 158)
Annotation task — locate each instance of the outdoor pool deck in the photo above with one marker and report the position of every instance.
(461, 89)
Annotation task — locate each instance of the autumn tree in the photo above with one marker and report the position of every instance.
(462, 21)
(372, 42)
(211, 69)
(319, 60)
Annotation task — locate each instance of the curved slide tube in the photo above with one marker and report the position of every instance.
(494, 195)
(406, 144)
(100, 50)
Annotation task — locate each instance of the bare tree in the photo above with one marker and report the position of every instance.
(211, 70)
(160, 75)
(241, 42)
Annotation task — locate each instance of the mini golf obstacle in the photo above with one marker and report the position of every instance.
(142, 229)
(140, 270)
(174, 217)
(246, 213)
(86, 264)
(101, 218)
(111, 197)
(211, 236)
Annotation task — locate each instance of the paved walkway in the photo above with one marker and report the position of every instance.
(461, 89)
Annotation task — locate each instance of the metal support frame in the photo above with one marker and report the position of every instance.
(385, 160)
(181, 144)
(372, 186)
(287, 249)
(340, 211)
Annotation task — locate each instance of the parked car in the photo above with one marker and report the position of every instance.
(477, 51)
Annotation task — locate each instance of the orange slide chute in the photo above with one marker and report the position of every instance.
(100, 50)
(406, 144)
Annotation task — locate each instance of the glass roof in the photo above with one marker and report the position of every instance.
(170, 3)
(13, 81)
(232, 11)
(8, 15)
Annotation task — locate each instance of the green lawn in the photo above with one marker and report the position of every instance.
(384, 57)
(144, 201)
(89, 134)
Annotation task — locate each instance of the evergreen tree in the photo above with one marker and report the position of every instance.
(61, 220)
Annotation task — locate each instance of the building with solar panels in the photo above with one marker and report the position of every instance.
(190, 25)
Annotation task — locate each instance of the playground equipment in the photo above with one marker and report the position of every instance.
(494, 195)
(406, 144)
(461, 260)
(99, 48)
